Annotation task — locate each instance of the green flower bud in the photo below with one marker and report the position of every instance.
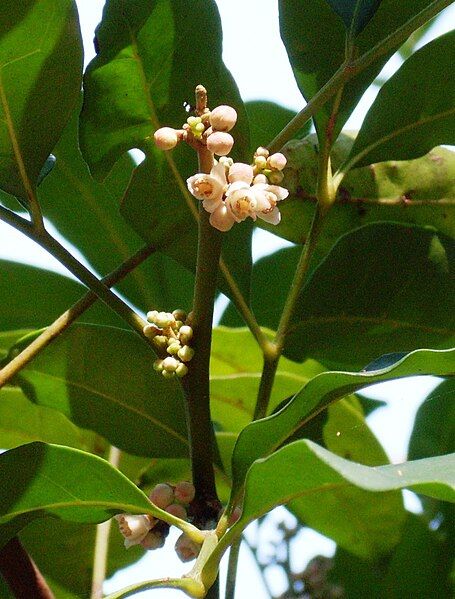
(179, 314)
(185, 333)
(170, 364)
(158, 365)
(181, 370)
(160, 342)
(185, 353)
(152, 315)
(260, 162)
(174, 347)
(168, 375)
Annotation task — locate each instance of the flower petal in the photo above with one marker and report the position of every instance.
(273, 217)
(205, 187)
(222, 218)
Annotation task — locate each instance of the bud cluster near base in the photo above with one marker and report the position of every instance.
(170, 335)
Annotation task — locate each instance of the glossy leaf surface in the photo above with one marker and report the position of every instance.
(327, 475)
(262, 437)
(406, 191)
(41, 480)
(414, 110)
(316, 53)
(102, 379)
(383, 288)
(87, 213)
(40, 81)
(33, 298)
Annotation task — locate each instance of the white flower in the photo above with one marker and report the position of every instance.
(222, 218)
(209, 188)
(267, 197)
(241, 200)
(133, 528)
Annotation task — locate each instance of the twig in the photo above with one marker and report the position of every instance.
(68, 317)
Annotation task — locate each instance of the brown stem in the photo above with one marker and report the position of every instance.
(21, 573)
(68, 317)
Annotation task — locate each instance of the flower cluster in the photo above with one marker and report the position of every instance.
(234, 191)
(150, 532)
(170, 335)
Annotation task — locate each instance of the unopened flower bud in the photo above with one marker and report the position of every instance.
(193, 120)
(260, 162)
(223, 118)
(178, 325)
(153, 540)
(240, 172)
(158, 365)
(275, 177)
(179, 314)
(186, 549)
(170, 364)
(164, 319)
(184, 491)
(262, 152)
(165, 138)
(173, 348)
(162, 495)
(220, 143)
(160, 342)
(185, 353)
(152, 315)
(134, 528)
(221, 218)
(236, 513)
(177, 510)
(260, 179)
(151, 331)
(226, 161)
(199, 128)
(167, 375)
(277, 161)
(181, 370)
(185, 333)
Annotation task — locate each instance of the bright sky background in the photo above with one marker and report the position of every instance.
(254, 53)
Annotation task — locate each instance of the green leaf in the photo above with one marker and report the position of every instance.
(66, 557)
(314, 474)
(383, 288)
(355, 14)
(403, 298)
(266, 120)
(235, 377)
(21, 421)
(316, 53)
(434, 425)
(40, 480)
(33, 297)
(418, 567)
(135, 83)
(87, 213)
(264, 436)
(414, 111)
(379, 192)
(40, 81)
(101, 378)
(358, 522)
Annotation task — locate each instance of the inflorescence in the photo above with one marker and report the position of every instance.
(232, 191)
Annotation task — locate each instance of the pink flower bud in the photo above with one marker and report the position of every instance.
(240, 172)
(260, 179)
(220, 143)
(162, 495)
(262, 152)
(177, 510)
(153, 540)
(184, 491)
(223, 118)
(277, 161)
(186, 549)
(165, 138)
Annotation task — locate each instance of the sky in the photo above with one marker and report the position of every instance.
(253, 51)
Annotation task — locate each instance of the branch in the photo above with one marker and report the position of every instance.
(83, 274)
(196, 383)
(67, 318)
(21, 573)
(187, 585)
(350, 69)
